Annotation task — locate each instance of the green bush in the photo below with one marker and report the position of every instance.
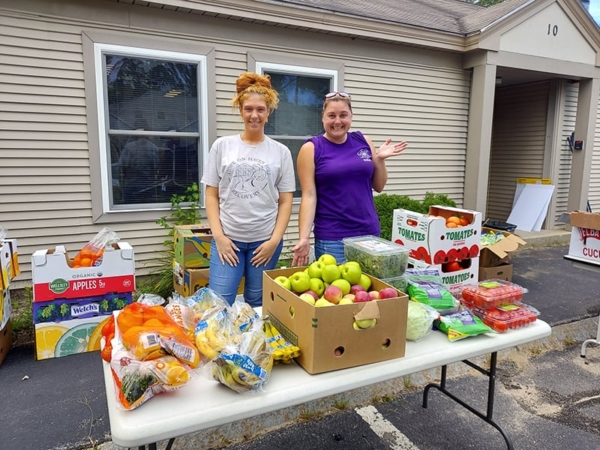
(385, 204)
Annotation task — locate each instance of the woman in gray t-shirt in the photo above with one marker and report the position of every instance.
(250, 182)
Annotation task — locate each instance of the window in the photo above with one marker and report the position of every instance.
(301, 93)
(151, 124)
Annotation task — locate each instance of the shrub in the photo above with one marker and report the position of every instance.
(385, 204)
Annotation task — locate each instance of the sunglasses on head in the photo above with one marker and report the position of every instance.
(337, 94)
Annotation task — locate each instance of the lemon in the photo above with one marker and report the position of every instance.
(75, 340)
(177, 375)
(46, 338)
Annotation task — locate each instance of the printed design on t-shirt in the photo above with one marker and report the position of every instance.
(249, 176)
(364, 154)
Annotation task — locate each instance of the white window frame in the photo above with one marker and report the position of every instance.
(102, 106)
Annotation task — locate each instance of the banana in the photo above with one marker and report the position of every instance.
(278, 350)
(289, 350)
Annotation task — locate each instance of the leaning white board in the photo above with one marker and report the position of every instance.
(530, 206)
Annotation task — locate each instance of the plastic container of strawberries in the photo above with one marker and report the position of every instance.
(508, 316)
(491, 293)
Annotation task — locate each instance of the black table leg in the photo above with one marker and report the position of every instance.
(488, 417)
(153, 445)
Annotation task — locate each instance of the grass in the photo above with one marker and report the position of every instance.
(340, 404)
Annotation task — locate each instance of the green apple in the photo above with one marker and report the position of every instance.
(353, 263)
(315, 269)
(327, 259)
(364, 324)
(365, 282)
(323, 302)
(317, 285)
(300, 281)
(330, 273)
(307, 298)
(346, 301)
(351, 273)
(283, 281)
(344, 285)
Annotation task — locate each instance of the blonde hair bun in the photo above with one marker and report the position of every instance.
(249, 83)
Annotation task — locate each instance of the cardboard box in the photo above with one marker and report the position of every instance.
(192, 246)
(326, 336)
(79, 308)
(54, 340)
(188, 281)
(5, 265)
(5, 307)
(430, 240)
(5, 340)
(53, 277)
(585, 236)
(581, 219)
(499, 253)
(502, 272)
(15, 269)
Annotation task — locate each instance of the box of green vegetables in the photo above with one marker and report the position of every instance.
(376, 256)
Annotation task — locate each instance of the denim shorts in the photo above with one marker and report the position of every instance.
(335, 248)
(225, 279)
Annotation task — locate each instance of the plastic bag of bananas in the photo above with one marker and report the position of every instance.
(214, 332)
(245, 365)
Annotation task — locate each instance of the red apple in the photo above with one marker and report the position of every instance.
(355, 288)
(333, 294)
(374, 295)
(362, 296)
(388, 292)
(313, 293)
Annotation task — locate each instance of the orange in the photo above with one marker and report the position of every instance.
(451, 225)
(94, 342)
(154, 324)
(86, 262)
(453, 219)
(464, 221)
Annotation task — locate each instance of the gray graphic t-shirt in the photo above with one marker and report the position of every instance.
(249, 178)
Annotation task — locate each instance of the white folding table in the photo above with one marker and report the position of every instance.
(203, 403)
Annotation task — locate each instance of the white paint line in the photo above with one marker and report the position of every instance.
(385, 429)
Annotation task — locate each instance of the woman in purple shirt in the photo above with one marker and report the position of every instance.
(338, 172)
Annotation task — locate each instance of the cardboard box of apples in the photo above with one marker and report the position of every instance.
(337, 315)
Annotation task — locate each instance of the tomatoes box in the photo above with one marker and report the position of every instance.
(506, 317)
(54, 278)
(5, 340)
(191, 244)
(430, 239)
(326, 335)
(54, 340)
(455, 275)
(188, 281)
(585, 236)
(499, 252)
(79, 308)
(502, 272)
(5, 307)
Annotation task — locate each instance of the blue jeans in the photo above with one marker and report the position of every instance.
(334, 248)
(225, 279)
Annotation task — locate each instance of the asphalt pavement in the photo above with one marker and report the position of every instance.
(547, 395)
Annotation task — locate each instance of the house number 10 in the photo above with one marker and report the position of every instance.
(552, 29)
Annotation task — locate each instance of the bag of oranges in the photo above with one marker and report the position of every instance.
(91, 253)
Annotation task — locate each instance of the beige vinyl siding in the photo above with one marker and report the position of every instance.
(561, 193)
(425, 106)
(518, 139)
(594, 190)
(45, 184)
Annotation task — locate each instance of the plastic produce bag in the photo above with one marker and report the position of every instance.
(241, 314)
(425, 286)
(461, 325)
(148, 332)
(91, 253)
(244, 365)
(214, 331)
(138, 381)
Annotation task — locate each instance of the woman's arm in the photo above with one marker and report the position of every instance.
(308, 203)
(225, 247)
(380, 175)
